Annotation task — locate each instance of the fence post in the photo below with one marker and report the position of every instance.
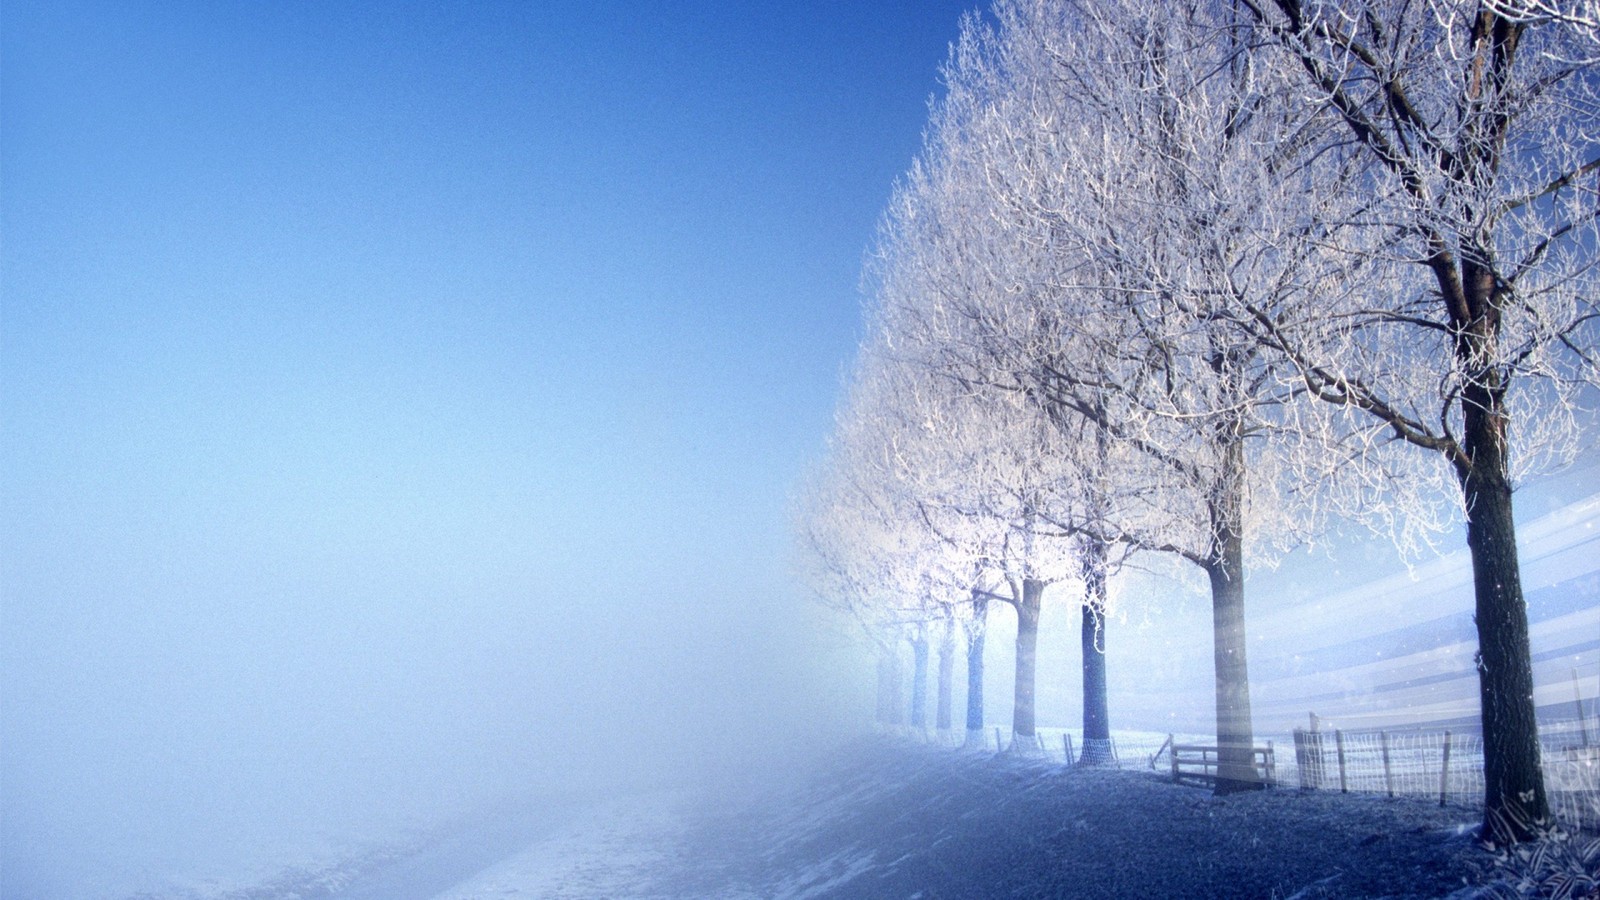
(1159, 750)
(1173, 744)
(998, 748)
(1301, 764)
(1444, 770)
(1338, 743)
(1388, 775)
(1271, 767)
(1066, 745)
(1577, 700)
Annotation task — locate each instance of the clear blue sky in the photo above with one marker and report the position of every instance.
(404, 366)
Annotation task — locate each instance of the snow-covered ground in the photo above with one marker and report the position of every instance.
(619, 848)
(911, 821)
(895, 818)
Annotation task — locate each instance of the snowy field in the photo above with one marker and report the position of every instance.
(911, 821)
(893, 818)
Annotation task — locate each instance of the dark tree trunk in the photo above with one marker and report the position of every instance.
(919, 682)
(947, 671)
(1024, 737)
(1514, 802)
(1096, 710)
(980, 611)
(1473, 294)
(1513, 774)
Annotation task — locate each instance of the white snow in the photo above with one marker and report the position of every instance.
(613, 850)
(911, 819)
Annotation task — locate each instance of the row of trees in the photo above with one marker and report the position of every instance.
(1197, 279)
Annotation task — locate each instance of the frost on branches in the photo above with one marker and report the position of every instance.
(1201, 278)
(1471, 343)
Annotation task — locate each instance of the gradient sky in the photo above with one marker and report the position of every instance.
(432, 376)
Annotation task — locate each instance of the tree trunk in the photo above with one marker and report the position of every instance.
(1024, 739)
(1235, 738)
(886, 699)
(947, 670)
(980, 613)
(1225, 568)
(1513, 774)
(919, 682)
(1096, 710)
(897, 710)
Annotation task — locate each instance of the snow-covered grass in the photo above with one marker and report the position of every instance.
(1416, 765)
(899, 817)
(926, 821)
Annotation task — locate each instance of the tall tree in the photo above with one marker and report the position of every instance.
(871, 514)
(947, 670)
(1476, 127)
(1093, 192)
(974, 630)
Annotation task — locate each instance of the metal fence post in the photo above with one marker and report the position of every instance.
(1444, 770)
(1338, 742)
(1577, 700)
(1388, 774)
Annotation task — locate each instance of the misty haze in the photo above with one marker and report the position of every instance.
(1047, 448)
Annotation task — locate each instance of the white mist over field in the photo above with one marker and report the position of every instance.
(240, 730)
(400, 406)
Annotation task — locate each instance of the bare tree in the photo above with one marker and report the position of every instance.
(869, 520)
(979, 471)
(1476, 127)
(1089, 209)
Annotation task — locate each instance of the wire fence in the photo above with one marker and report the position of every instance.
(1435, 766)
(1439, 765)
(1445, 766)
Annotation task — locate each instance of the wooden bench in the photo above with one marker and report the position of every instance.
(1196, 764)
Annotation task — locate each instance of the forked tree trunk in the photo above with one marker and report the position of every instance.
(980, 614)
(1024, 739)
(1096, 709)
(919, 682)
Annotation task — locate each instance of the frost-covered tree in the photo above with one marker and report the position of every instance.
(835, 543)
(866, 516)
(978, 475)
(1476, 130)
(1090, 203)
(974, 628)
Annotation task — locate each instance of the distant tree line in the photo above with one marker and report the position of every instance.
(1198, 279)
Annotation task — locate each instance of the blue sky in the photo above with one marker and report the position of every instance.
(404, 374)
